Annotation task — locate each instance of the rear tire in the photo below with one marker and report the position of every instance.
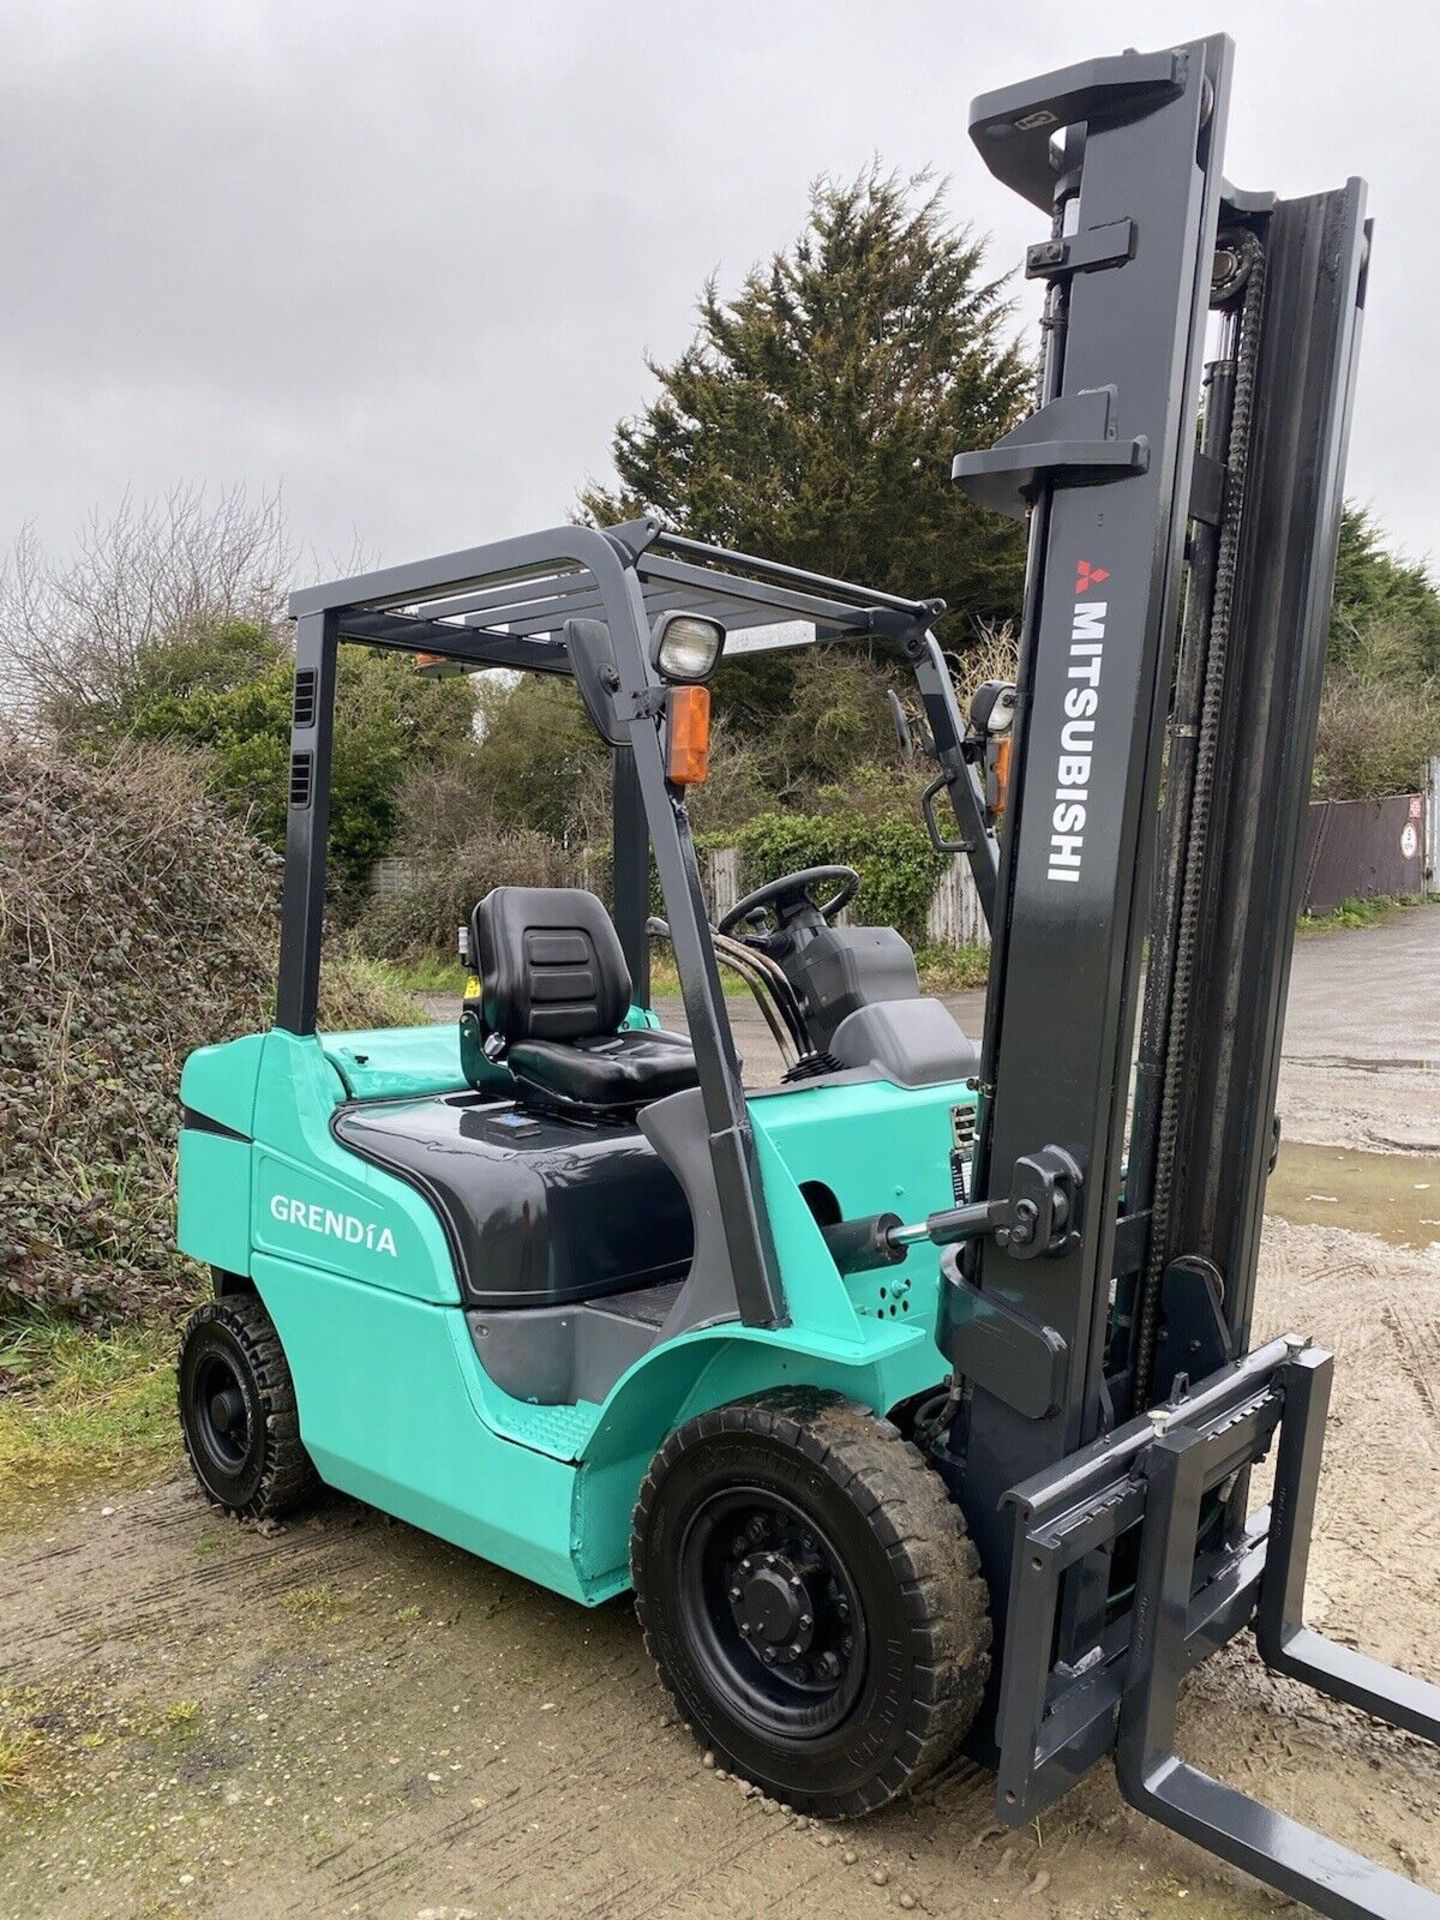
(238, 1413)
(811, 1599)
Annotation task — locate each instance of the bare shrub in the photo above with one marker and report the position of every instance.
(1379, 721)
(734, 790)
(994, 655)
(137, 921)
(75, 633)
(435, 810)
(443, 882)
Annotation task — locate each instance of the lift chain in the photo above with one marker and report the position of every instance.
(1249, 248)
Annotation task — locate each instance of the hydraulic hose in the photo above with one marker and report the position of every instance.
(773, 993)
(765, 982)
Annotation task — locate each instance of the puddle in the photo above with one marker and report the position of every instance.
(1393, 1195)
(1386, 1063)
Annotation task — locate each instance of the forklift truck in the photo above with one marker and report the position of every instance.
(914, 1397)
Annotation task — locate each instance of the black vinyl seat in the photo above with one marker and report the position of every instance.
(555, 988)
(610, 1073)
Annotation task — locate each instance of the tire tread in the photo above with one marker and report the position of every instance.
(941, 1591)
(289, 1478)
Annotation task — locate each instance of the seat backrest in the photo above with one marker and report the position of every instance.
(551, 965)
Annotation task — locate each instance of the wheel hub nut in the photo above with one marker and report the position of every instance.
(772, 1607)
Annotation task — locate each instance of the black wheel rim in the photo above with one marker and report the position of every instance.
(771, 1613)
(220, 1412)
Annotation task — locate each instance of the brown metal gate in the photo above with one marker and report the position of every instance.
(1355, 849)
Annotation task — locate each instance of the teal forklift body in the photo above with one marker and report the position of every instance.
(396, 1409)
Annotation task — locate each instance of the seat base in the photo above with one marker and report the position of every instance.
(603, 1074)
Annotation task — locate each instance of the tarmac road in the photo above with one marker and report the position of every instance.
(1361, 1052)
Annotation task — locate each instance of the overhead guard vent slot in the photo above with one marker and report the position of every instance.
(301, 770)
(305, 697)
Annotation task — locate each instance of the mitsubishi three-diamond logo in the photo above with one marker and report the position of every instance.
(1087, 576)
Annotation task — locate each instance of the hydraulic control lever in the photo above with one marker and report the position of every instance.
(1039, 1216)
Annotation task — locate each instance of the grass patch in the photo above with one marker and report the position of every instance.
(952, 969)
(78, 1408)
(17, 1757)
(43, 1730)
(426, 973)
(313, 1606)
(1369, 912)
(665, 981)
(49, 1734)
(358, 991)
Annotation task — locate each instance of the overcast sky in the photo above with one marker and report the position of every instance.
(405, 256)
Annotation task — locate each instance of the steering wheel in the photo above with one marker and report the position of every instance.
(787, 900)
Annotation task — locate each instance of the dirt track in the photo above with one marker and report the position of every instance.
(349, 1718)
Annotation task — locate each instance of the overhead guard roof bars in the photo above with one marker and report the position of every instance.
(506, 604)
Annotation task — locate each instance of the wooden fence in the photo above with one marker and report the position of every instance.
(721, 874)
(956, 918)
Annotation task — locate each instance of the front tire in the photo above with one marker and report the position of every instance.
(238, 1413)
(811, 1599)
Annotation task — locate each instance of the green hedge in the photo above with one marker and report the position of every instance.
(898, 867)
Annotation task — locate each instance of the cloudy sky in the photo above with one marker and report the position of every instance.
(404, 256)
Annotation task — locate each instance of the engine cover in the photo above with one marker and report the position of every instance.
(538, 1212)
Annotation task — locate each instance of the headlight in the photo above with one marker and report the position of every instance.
(992, 711)
(685, 648)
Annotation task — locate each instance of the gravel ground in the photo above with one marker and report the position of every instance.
(346, 1717)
